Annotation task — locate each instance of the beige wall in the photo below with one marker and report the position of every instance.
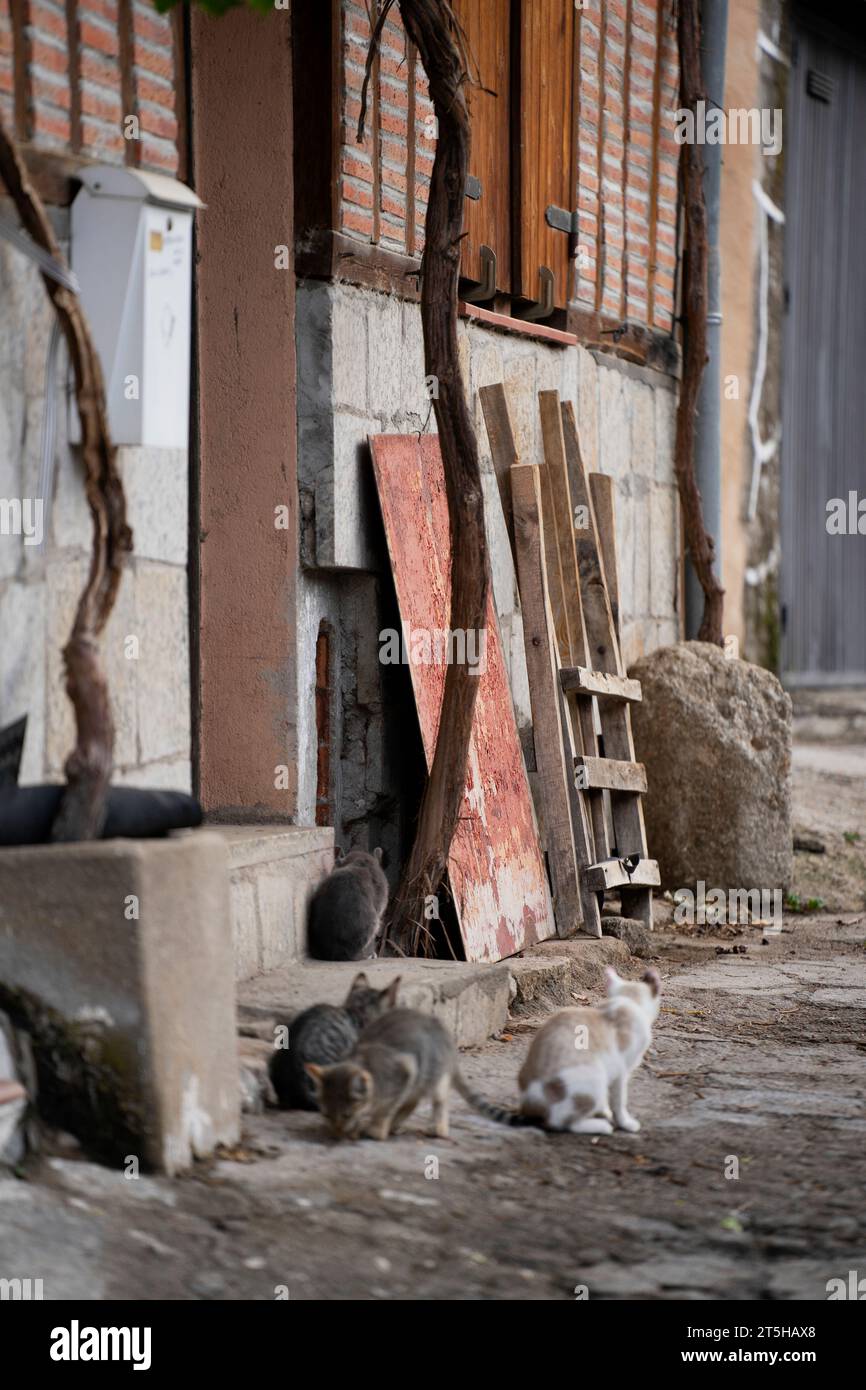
(144, 648)
(739, 247)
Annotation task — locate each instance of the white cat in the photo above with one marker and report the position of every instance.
(577, 1070)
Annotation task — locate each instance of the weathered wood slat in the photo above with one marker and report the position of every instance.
(603, 648)
(562, 857)
(555, 579)
(602, 684)
(503, 450)
(610, 774)
(601, 489)
(556, 470)
(614, 873)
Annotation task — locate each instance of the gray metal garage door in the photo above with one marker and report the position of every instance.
(824, 424)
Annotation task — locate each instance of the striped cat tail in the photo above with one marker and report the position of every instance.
(499, 1113)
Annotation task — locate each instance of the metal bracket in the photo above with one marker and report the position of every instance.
(473, 187)
(561, 220)
(487, 288)
(543, 306)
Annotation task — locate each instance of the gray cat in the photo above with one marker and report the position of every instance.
(345, 916)
(324, 1034)
(400, 1059)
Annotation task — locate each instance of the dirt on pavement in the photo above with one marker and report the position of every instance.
(745, 1182)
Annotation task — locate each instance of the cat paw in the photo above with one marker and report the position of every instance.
(596, 1124)
(628, 1123)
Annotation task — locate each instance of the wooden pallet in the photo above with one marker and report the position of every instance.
(590, 784)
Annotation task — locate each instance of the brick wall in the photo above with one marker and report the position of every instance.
(384, 199)
(625, 159)
(72, 74)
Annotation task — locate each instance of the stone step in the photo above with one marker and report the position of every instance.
(273, 870)
(473, 1001)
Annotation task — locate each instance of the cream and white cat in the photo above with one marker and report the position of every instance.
(577, 1070)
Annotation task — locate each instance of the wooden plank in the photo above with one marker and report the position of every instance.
(376, 123)
(545, 135)
(610, 774)
(503, 450)
(599, 683)
(22, 53)
(556, 467)
(645, 874)
(318, 115)
(582, 829)
(615, 873)
(601, 489)
(487, 220)
(603, 649)
(495, 866)
(73, 49)
(555, 578)
(128, 75)
(411, 149)
(547, 722)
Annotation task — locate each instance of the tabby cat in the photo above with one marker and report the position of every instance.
(322, 1035)
(400, 1059)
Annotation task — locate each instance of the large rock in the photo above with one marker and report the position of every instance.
(715, 736)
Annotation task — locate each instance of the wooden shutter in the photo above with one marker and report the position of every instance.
(487, 222)
(546, 142)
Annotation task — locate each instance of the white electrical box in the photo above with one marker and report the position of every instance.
(131, 236)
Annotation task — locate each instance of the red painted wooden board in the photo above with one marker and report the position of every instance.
(496, 870)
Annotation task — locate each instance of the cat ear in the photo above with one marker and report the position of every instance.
(360, 982)
(314, 1072)
(612, 980)
(654, 980)
(390, 993)
(339, 854)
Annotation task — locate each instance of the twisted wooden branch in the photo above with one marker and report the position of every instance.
(431, 26)
(89, 766)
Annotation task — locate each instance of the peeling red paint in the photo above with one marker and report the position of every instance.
(496, 870)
